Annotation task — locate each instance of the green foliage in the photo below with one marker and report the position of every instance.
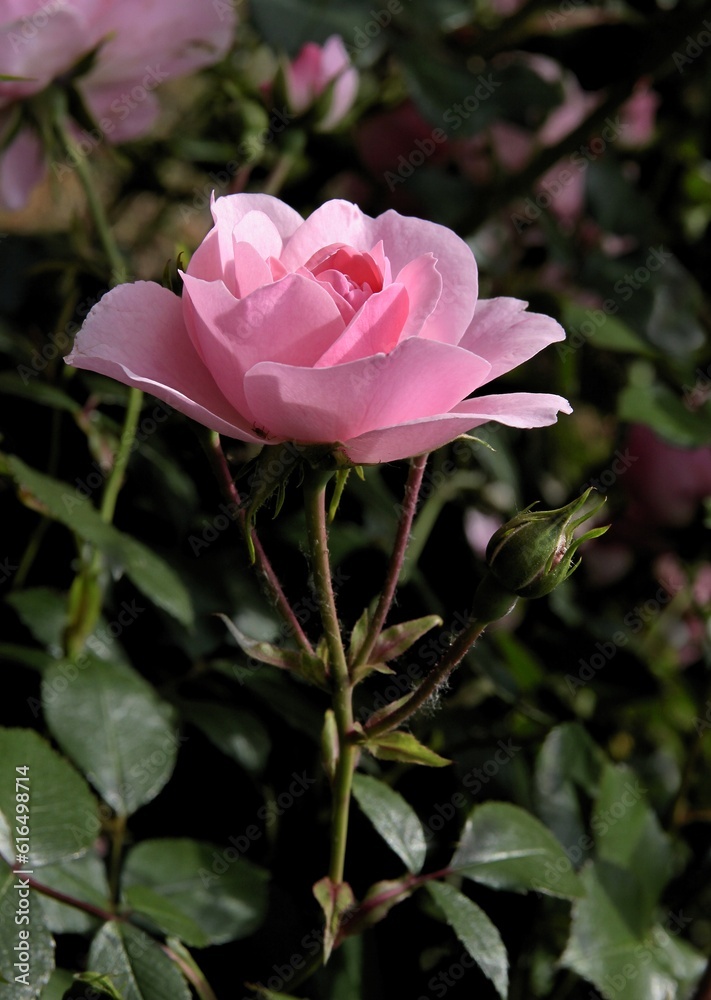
(552, 796)
(505, 847)
(476, 932)
(393, 818)
(110, 721)
(62, 813)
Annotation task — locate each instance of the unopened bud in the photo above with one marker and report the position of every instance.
(532, 553)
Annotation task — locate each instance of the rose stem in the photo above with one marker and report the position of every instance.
(264, 567)
(314, 501)
(90, 570)
(456, 652)
(412, 490)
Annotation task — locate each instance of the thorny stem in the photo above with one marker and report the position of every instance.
(456, 652)
(314, 500)
(264, 566)
(409, 503)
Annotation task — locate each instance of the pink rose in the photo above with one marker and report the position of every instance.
(141, 45)
(357, 332)
(315, 69)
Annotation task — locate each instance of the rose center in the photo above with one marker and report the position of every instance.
(353, 275)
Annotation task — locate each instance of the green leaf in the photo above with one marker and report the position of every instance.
(43, 393)
(264, 652)
(63, 818)
(36, 659)
(335, 899)
(505, 847)
(136, 965)
(651, 964)
(35, 972)
(393, 818)
(628, 835)
(476, 932)
(235, 732)
(112, 723)
(147, 571)
(405, 748)
(226, 896)
(568, 760)
(44, 612)
(165, 915)
(59, 983)
(92, 986)
(358, 635)
(397, 639)
(660, 408)
(611, 334)
(81, 878)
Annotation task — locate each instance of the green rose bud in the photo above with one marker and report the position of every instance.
(530, 555)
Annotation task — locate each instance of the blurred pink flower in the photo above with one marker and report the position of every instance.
(313, 71)
(479, 527)
(363, 334)
(665, 483)
(140, 45)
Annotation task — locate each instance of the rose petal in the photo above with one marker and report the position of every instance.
(336, 221)
(21, 168)
(251, 271)
(136, 335)
(321, 405)
(415, 437)
(516, 409)
(292, 321)
(424, 287)
(506, 335)
(375, 329)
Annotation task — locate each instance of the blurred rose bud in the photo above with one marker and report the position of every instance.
(322, 77)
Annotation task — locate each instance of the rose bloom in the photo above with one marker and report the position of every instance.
(141, 45)
(365, 334)
(311, 73)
